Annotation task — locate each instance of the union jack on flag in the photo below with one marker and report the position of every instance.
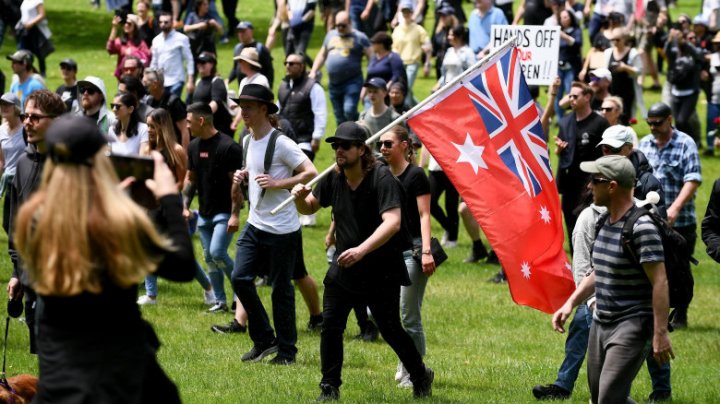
(485, 133)
(503, 101)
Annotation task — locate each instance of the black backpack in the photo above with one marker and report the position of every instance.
(682, 73)
(677, 255)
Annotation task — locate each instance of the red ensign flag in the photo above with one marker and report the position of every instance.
(486, 134)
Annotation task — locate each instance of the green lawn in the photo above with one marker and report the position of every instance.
(483, 347)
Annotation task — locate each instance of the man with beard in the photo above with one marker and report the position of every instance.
(41, 107)
(170, 49)
(368, 263)
(92, 102)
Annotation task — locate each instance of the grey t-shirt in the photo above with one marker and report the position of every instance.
(344, 55)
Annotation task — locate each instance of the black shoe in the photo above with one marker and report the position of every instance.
(232, 327)
(658, 396)
(550, 392)
(492, 258)
(315, 323)
(498, 278)
(476, 256)
(371, 332)
(328, 393)
(708, 152)
(279, 360)
(423, 387)
(258, 352)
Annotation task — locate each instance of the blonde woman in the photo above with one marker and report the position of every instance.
(86, 245)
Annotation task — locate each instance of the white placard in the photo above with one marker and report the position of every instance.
(539, 49)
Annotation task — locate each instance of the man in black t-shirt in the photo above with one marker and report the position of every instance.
(211, 90)
(368, 264)
(212, 159)
(154, 82)
(68, 91)
(580, 131)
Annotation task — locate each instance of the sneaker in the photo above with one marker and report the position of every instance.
(475, 256)
(209, 298)
(498, 278)
(708, 152)
(492, 258)
(371, 332)
(444, 238)
(405, 382)
(658, 396)
(315, 323)
(224, 40)
(230, 328)
(145, 299)
(401, 372)
(550, 392)
(219, 307)
(308, 220)
(258, 352)
(423, 386)
(279, 360)
(450, 244)
(328, 393)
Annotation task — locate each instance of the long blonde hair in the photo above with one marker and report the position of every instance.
(79, 230)
(165, 136)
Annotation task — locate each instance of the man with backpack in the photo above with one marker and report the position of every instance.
(273, 165)
(675, 161)
(628, 316)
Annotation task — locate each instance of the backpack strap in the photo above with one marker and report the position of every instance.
(269, 154)
(627, 233)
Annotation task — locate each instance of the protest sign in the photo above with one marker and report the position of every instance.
(539, 50)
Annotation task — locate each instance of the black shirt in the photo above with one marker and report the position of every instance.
(174, 105)
(589, 134)
(415, 183)
(69, 94)
(357, 214)
(212, 88)
(212, 160)
(535, 12)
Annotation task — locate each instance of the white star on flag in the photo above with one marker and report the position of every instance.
(525, 269)
(471, 154)
(545, 214)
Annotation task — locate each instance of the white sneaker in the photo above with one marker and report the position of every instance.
(308, 220)
(444, 238)
(401, 372)
(405, 383)
(209, 298)
(450, 244)
(145, 299)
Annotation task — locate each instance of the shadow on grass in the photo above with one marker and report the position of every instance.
(79, 30)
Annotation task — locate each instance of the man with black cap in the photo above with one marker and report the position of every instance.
(368, 263)
(265, 234)
(379, 115)
(22, 66)
(92, 102)
(210, 89)
(245, 35)
(68, 91)
(632, 303)
(674, 158)
(41, 107)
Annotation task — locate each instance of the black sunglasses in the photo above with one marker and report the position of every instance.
(342, 145)
(116, 106)
(388, 144)
(655, 123)
(341, 26)
(89, 90)
(288, 63)
(606, 109)
(600, 180)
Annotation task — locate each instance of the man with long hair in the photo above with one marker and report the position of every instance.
(41, 107)
(366, 200)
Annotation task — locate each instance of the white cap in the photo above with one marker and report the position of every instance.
(617, 135)
(602, 73)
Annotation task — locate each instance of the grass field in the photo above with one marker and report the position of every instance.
(483, 347)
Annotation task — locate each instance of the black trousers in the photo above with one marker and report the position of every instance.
(690, 234)
(448, 219)
(384, 302)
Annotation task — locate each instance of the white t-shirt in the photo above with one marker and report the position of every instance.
(256, 78)
(286, 159)
(132, 145)
(28, 11)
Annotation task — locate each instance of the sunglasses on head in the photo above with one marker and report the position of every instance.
(89, 90)
(388, 144)
(600, 180)
(342, 145)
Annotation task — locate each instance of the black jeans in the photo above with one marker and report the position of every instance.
(690, 234)
(384, 301)
(682, 109)
(448, 219)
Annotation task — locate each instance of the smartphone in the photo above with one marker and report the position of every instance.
(141, 168)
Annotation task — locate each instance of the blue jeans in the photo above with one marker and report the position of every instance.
(713, 111)
(411, 71)
(151, 288)
(575, 348)
(344, 98)
(176, 88)
(594, 26)
(566, 79)
(262, 253)
(411, 298)
(215, 241)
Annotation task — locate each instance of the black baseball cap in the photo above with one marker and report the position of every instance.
(69, 64)
(73, 139)
(244, 25)
(349, 131)
(376, 82)
(206, 57)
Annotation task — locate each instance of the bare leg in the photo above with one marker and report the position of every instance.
(308, 289)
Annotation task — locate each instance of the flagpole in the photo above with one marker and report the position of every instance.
(480, 63)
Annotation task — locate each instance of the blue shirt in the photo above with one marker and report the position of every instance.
(674, 165)
(479, 27)
(22, 90)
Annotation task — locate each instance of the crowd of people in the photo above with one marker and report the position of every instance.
(171, 103)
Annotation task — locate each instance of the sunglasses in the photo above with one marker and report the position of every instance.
(130, 68)
(341, 26)
(88, 90)
(607, 109)
(388, 144)
(600, 180)
(116, 106)
(342, 145)
(655, 123)
(34, 118)
(611, 150)
(292, 63)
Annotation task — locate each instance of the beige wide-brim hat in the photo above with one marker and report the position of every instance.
(250, 55)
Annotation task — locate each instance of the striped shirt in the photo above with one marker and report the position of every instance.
(622, 289)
